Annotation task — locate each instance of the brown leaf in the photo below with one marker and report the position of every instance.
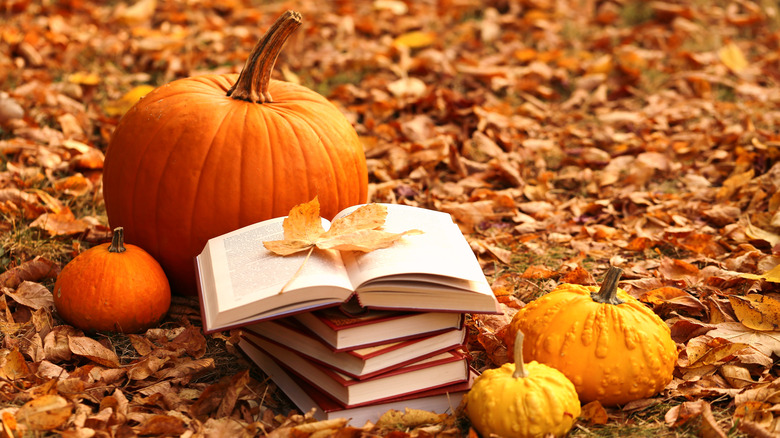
(146, 367)
(766, 342)
(356, 231)
(33, 295)
(191, 340)
(162, 425)
(33, 270)
(234, 388)
(93, 350)
(44, 413)
(55, 344)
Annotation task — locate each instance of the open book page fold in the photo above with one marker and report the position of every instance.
(240, 281)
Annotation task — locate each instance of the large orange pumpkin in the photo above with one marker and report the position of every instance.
(112, 287)
(205, 155)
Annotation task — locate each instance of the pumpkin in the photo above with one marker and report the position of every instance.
(610, 345)
(112, 287)
(205, 155)
(522, 400)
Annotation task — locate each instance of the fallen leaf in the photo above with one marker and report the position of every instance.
(357, 231)
(594, 413)
(756, 311)
(15, 367)
(121, 106)
(415, 39)
(732, 57)
(766, 342)
(93, 350)
(32, 295)
(33, 270)
(44, 413)
(772, 275)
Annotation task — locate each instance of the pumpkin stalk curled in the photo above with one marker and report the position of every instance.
(118, 241)
(519, 368)
(607, 294)
(252, 83)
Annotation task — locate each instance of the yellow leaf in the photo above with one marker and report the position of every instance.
(84, 78)
(773, 275)
(122, 105)
(756, 311)
(732, 57)
(415, 40)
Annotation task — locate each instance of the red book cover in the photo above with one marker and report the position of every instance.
(440, 370)
(374, 327)
(308, 398)
(360, 363)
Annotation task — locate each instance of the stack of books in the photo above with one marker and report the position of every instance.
(352, 334)
(360, 366)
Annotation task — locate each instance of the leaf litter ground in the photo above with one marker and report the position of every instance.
(562, 136)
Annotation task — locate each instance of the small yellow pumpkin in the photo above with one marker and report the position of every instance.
(522, 400)
(610, 345)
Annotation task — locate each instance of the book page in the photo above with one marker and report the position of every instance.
(243, 272)
(441, 251)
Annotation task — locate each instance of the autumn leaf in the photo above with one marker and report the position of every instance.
(772, 275)
(756, 311)
(357, 231)
(766, 342)
(44, 413)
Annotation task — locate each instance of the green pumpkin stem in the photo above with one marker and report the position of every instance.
(607, 294)
(252, 83)
(117, 241)
(520, 370)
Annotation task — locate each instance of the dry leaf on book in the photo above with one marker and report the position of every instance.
(357, 231)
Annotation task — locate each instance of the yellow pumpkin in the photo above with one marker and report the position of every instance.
(522, 400)
(610, 345)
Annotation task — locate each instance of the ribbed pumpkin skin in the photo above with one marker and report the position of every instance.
(612, 353)
(188, 163)
(545, 402)
(123, 292)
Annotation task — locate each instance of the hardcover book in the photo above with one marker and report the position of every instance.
(344, 331)
(440, 370)
(241, 282)
(359, 363)
(441, 400)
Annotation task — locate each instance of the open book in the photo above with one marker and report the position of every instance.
(240, 281)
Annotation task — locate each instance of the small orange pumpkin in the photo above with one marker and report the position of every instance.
(112, 287)
(202, 156)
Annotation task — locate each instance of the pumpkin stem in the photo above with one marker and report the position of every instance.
(519, 368)
(117, 241)
(252, 83)
(608, 292)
